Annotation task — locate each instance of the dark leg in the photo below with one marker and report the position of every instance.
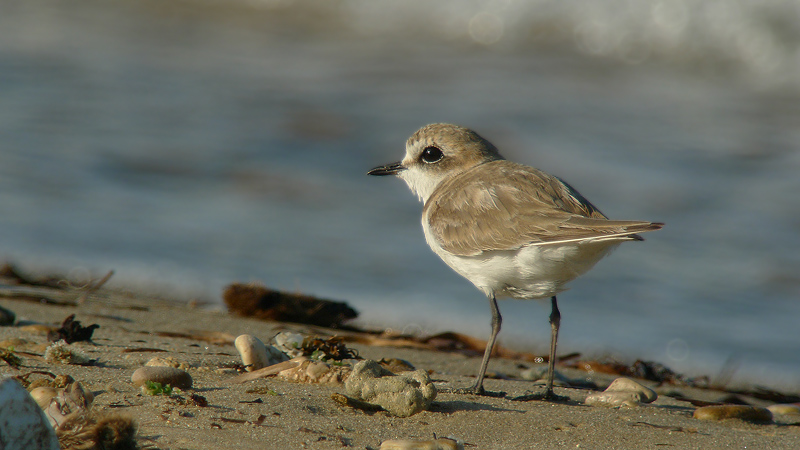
(555, 322)
(497, 320)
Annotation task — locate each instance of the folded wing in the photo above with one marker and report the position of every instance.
(471, 213)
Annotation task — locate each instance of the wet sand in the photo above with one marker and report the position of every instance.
(271, 413)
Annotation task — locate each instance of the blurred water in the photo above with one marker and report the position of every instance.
(191, 144)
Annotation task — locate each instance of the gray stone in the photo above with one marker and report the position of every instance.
(23, 425)
(165, 375)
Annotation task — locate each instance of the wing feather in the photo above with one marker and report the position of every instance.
(471, 213)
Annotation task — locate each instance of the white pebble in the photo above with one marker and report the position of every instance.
(289, 343)
(43, 395)
(622, 392)
(253, 352)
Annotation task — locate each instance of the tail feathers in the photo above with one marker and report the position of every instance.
(653, 226)
(609, 231)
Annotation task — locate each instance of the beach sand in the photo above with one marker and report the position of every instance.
(271, 413)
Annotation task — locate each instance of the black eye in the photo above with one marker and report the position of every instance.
(431, 155)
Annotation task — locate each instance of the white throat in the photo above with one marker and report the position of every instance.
(422, 183)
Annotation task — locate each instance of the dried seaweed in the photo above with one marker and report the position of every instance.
(10, 358)
(332, 348)
(72, 331)
(253, 300)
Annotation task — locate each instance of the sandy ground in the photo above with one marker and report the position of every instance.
(270, 413)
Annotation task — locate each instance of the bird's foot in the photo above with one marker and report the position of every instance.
(548, 395)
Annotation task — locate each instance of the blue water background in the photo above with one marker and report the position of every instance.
(191, 144)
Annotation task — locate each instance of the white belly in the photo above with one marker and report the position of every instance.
(535, 271)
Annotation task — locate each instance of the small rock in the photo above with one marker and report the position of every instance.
(412, 444)
(785, 409)
(535, 373)
(401, 395)
(169, 361)
(165, 375)
(539, 375)
(43, 394)
(23, 424)
(622, 392)
(396, 365)
(253, 352)
(7, 317)
(742, 412)
(289, 343)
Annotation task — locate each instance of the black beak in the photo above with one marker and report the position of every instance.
(388, 169)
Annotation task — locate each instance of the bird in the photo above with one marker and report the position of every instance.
(510, 229)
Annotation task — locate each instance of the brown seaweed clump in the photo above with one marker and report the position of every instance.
(254, 300)
(72, 331)
(87, 432)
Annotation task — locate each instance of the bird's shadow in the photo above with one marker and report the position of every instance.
(452, 406)
(542, 397)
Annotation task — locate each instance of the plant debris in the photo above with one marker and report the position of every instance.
(10, 358)
(11, 275)
(72, 331)
(156, 388)
(646, 370)
(60, 352)
(90, 432)
(254, 300)
(332, 348)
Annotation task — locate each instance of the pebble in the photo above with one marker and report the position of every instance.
(396, 365)
(401, 395)
(252, 351)
(43, 395)
(412, 444)
(289, 343)
(622, 392)
(23, 424)
(7, 317)
(785, 409)
(719, 412)
(165, 375)
(168, 361)
(539, 375)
